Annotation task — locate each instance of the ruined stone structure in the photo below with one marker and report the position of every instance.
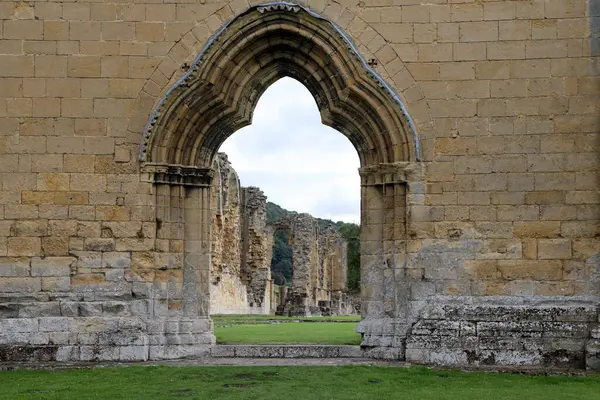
(241, 252)
(241, 246)
(320, 269)
(476, 124)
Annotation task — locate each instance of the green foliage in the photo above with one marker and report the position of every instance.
(366, 382)
(281, 264)
(351, 232)
(275, 212)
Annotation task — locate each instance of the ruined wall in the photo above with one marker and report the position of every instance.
(497, 229)
(241, 246)
(257, 248)
(228, 293)
(320, 268)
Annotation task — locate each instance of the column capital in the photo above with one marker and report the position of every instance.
(177, 175)
(390, 173)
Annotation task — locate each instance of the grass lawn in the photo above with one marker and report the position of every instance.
(289, 332)
(273, 329)
(229, 319)
(264, 383)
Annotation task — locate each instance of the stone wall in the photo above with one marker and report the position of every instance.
(257, 248)
(486, 193)
(241, 246)
(320, 269)
(228, 294)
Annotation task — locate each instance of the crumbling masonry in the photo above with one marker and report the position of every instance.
(320, 269)
(241, 255)
(241, 246)
(475, 122)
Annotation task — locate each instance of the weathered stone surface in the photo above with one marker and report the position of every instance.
(52, 266)
(485, 213)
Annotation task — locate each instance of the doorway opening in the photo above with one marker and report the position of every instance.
(216, 97)
(285, 229)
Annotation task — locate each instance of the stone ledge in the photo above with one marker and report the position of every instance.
(286, 351)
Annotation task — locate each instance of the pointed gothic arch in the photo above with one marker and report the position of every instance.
(217, 96)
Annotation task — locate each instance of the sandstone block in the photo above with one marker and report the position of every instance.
(55, 246)
(133, 353)
(572, 229)
(14, 267)
(20, 325)
(24, 246)
(87, 280)
(116, 260)
(100, 245)
(505, 50)
(545, 197)
(52, 182)
(537, 229)
(455, 146)
(160, 12)
(84, 66)
(89, 259)
(118, 30)
(474, 198)
(71, 198)
(56, 30)
(84, 30)
(113, 213)
(478, 31)
(515, 30)
(536, 270)
(530, 249)
(60, 284)
(52, 266)
(122, 155)
(466, 12)
(552, 249)
(82, 212)
(30, 228)
(78, 163)
(87, 183)
(50, 66)
(24, 29)
(20, 285)
(115, 67)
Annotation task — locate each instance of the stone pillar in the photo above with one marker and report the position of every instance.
(304, 259)
(196, 266)
(384, 282)
(256, 249)
(182, 328)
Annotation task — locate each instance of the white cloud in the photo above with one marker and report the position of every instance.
(299, 163)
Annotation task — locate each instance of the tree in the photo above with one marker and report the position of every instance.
(351, 233)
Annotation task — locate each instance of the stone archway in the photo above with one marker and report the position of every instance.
(217, 96)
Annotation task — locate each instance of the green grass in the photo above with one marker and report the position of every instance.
(276, 383)
(229, 319)
(289, 332)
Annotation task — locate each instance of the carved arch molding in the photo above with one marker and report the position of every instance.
(217, 96)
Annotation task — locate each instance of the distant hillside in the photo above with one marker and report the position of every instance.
(281, 264)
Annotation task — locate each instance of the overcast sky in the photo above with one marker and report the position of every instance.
(299, 163)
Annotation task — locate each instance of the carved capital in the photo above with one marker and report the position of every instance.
(390, 173)
(177, 175)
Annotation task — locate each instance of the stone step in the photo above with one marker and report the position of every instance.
(286, 351)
